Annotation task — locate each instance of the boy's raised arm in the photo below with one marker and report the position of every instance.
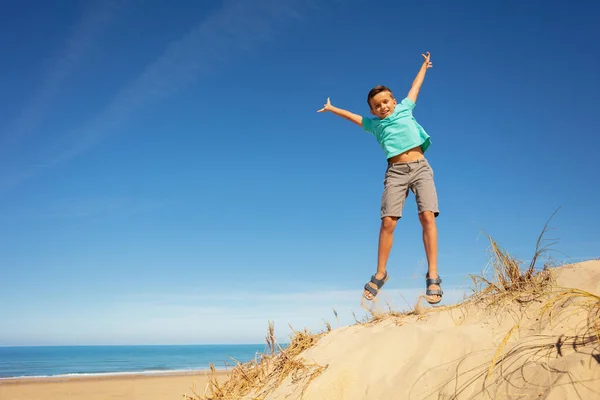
(416, 85)
(357, 119)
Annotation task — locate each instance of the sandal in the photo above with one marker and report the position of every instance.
(429, 292)
(374, 285)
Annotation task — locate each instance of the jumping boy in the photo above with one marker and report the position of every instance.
(404, 142)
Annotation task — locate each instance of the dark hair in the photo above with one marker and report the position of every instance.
(375, 91)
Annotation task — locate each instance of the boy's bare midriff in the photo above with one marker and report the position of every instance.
(408, 156)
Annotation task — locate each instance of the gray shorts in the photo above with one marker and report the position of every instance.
(399, 178)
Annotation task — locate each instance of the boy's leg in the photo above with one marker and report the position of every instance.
(427, 219)
(423, 186)
(386, 239)
(392, 201)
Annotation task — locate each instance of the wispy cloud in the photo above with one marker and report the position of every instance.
(242, 316)
(212, 316)
(310, 296)
(94, 22)
(307, 306)
(101, 207)
(93, 209)
(237, 27)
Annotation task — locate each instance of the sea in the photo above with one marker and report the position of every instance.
(67, 361)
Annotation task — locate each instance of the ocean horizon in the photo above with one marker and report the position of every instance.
(97, 360)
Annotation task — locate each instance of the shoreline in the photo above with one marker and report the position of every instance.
(107, 375)
(122, 386)
(110, 376)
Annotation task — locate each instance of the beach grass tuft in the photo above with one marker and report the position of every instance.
(267, 371)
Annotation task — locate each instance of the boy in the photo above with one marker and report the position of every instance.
(404, 142)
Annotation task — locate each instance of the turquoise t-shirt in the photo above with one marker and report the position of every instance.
(399, 131)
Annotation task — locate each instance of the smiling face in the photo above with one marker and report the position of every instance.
(382, 102)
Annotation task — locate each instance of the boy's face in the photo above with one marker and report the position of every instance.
(382, 104)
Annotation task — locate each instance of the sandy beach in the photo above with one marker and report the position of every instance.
(130, 387)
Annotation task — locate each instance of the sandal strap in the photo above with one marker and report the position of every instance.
(433, 281)
(379, 282)
(371, 289)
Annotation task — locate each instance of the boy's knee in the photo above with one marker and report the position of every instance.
(389, 223)
(427, 218)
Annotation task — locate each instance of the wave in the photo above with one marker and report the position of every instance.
(120, 373)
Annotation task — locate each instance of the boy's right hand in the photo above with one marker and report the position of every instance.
(357, 119)
(326, 107)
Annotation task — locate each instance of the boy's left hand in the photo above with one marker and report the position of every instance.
(427, 59)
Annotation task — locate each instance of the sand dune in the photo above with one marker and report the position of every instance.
(540, 340)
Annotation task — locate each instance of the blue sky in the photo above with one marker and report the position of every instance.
(165, 177)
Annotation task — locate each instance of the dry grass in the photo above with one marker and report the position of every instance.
(267, 371)
(514, 284)
(543, 349)
(397, 316)
(582, 300)
(511, 279)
